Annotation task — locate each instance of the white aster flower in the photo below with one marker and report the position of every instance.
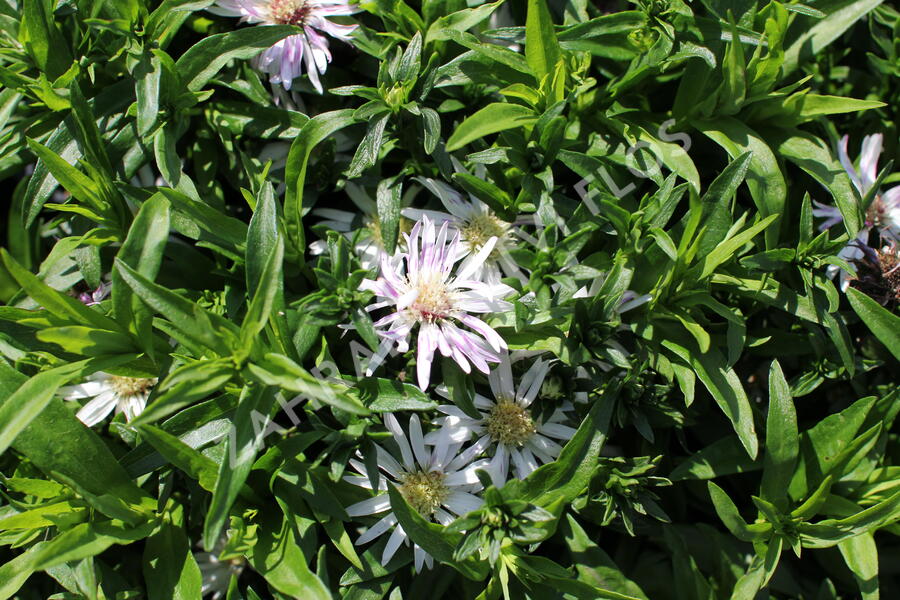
(476, 224)
(436, 481)
(426, 293)
(284, 61)
(108, 393)
(215, 573)
(507, 423)
(883, 213)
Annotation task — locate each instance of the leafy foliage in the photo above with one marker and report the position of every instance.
(720, 367)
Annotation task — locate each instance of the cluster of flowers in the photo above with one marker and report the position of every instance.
(433, 289)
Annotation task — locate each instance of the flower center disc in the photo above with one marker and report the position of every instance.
(425, 492)
(289, 12)
(510, 423)
(480, 228)
(433, 302)
(131, 386)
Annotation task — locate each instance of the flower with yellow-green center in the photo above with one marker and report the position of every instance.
(437, 481)
(108, 393)
(476, 224)
(507, 424)
(427, 293)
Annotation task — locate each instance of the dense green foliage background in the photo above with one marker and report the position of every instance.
(742, 415)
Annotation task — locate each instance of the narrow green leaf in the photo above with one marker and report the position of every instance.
(730, 516)
(542, 49)
(196, 465)
(813, 155)
(261, 306)
(262, 236)
(186, 385)
(81, 541)
(493, 118)
(782, 440)
(143, 250)
(56, 303)
(317, 129)
(812, 40)
(170, 569)
(883, 325)
(765, 180)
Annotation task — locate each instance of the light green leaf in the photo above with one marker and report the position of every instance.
(542, 49)
(86, 539)
(241, 446)
(732, 519)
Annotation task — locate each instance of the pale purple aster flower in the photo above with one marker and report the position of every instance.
(437, 481)
(284, 61)
(97, 296)
(108, 393)
(507, 424)
(883, 213)
(476, 224)
(424, 292)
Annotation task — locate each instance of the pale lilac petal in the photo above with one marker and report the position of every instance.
(848, 164)
(390, 421)
(868, 160)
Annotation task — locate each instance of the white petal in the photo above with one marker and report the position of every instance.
(370, 506)
(417, 442)
(377, 529)
(418, 557)
(462, 502)
(393, 543)
(388, 462)
(87, 389)
(532, 381)
(555, 430)
(97, 409)
(483, 253)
